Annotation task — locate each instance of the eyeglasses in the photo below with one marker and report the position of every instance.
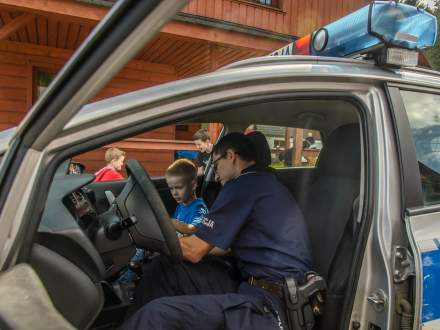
(215, 162)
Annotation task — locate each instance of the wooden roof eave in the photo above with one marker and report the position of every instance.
(85, 13)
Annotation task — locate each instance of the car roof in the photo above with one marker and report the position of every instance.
(258, 68)
(345, 65)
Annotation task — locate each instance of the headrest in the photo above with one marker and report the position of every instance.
(341, 154)
(262, 149)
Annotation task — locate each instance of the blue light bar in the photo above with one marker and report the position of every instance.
(380, 23)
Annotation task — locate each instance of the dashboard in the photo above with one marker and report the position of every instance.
(72, 227)
(80, 205)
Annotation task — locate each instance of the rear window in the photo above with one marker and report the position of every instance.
(291, 146)
(423, 111)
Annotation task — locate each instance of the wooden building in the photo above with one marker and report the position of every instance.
(38, 37)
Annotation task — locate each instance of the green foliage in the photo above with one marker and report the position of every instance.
(415, 3)
(433, 53)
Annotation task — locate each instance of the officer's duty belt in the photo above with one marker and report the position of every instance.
(273, 287)
(303, 301)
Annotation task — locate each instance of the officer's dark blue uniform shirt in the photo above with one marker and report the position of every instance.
(256, 216)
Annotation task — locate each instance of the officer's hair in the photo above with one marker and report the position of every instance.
(202, 134)
(182, 167)
(113, 154)
(238, 142)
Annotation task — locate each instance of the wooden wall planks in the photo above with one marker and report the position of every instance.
(294, 17)
(18, 59)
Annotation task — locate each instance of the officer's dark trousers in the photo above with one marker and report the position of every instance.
(201, 296)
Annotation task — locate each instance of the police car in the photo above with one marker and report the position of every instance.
(371, 203)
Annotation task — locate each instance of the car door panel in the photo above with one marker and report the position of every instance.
(21, 283)
(78, 298)
(424, 234)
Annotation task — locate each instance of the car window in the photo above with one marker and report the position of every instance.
(155, 149)
(291, 146)
(424, 118)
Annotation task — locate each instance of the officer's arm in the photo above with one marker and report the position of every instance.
(194, 248)
(218, 252)
(183, 227)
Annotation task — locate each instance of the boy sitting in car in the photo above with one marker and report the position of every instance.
(181, 178)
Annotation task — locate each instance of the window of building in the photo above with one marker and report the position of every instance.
(290, 146)
(182, 128)
(42, 80)
(270, 3)
(424, 118)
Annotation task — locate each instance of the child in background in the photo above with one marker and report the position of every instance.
(115, 160)
(202, 140)
(181, 178)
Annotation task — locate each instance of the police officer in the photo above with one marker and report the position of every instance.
(254, 217)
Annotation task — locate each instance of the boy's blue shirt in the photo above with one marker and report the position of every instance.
(192, 214)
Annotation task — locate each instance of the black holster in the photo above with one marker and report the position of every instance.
(303, 302)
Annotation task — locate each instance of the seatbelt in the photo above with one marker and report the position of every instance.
(350, 226)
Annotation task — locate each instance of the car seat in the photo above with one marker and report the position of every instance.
(330, 211)
(262, 150)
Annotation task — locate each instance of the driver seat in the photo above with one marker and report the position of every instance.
(262, 150)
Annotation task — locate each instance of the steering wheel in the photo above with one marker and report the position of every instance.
(153, 229)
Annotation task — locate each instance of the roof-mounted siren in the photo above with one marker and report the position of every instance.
(390, 32)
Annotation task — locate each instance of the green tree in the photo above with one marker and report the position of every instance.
(433, 53)
(415, 3)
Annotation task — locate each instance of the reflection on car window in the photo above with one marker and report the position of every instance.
(424, 117)
(290, 146)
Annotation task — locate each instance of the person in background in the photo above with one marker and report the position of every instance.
(308, 141)
(250, 129)
(202, 140)
(181, 178)
(115, 161)
(114, 158)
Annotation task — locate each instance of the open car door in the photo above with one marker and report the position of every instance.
(24, 174)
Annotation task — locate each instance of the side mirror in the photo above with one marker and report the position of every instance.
(76, 168)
